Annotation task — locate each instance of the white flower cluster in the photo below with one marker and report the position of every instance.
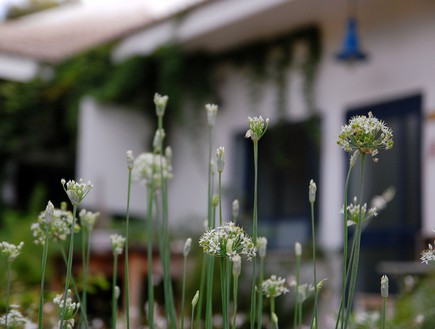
(10, 251)
(428, 255)
(59, 225)
(305, 290)
(367, 135)
(274, 287)
(15, 319)
(226, 241)
(88, 219)
(257, 127)
(71, 308)
(146, 169)
(355, 211)
(76, 191)
(118, 242)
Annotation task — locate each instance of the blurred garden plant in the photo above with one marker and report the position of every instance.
(223, 240)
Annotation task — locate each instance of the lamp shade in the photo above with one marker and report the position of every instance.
(351, 49)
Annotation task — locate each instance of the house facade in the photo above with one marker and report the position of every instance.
(396, 82)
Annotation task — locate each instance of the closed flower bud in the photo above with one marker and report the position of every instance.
(384, 286)
(261, 246)
(220, 159)
(130, 159)
(237, 265)
(215, 200)
(160, 103)
(187, 246)
(49, 212)
(212, 110)
(298, 249)
(312, 192)
(236, 208)
(195, 299)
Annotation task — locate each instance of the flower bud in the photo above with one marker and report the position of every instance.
(298, 249)
(160, 103)
(220, 160)
(236, 209)
(212, 110)
(384, 286)
(215, 200)
(261, 246)
(195, 299)
(312, 192)
(130, 159)
(237, 265)
(187, 246)
(49, 212)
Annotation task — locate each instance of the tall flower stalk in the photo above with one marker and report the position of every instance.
(118, 242)
(212, 110)
(76, 192)
(186, 251)
(194, 302)
(130, 165)
(237, 267)
(272, 288)
(384, 295)
(362, 136)
(48, 218)
(257, 128)
(297, 319)
(261, 247)
(312, 198)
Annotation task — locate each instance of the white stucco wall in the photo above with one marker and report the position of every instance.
(398, 36)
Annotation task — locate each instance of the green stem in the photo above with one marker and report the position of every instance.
(297, 299)
(114, 299)
(69, 266)
(44, 267)
(183, 292)
(150, 190)
(272, 312)
(260, 294)
(313, 237)
(8, 292)
(85, 269)
(224, 284)
(345, 252)
(209, 290)
(235, 290)
(192, 318)
(126, 267)
(384, 312)
(355, 262)
(201, 288)
(220, 199)
(254, 236)
(167, 285)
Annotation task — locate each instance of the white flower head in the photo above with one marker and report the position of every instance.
(215, 241)
(14, 319)
(428, 255)
(76, 191)
(10, 251)
(88, 219)
(71, 308)
(160, 103)
(212, 110)
(274, 287)
(118, 242)
(148, 168)
(257, 128)
(366, 135)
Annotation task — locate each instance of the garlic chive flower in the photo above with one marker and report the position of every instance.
(257, 128)
(49, 213)
(159, 136)
(71, 308)
(147, 168)
(220, 159)
(261, 246)
(118, 242)
(130, 159)
(76, 191)
(88, 219)
(305, 290)
(366, 135)
(195, 299)
(428, 255)
(59, 225)
(215, 241)
(355, 211)
(298, 249)
(237, 265)
(212, 110)
(10, 251)
(15, 319)
(312, 191)
(160, 103)
(274, 287)
(384, 286)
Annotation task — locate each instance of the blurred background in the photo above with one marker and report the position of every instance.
(77, 80)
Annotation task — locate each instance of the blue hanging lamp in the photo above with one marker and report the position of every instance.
(351, 51)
